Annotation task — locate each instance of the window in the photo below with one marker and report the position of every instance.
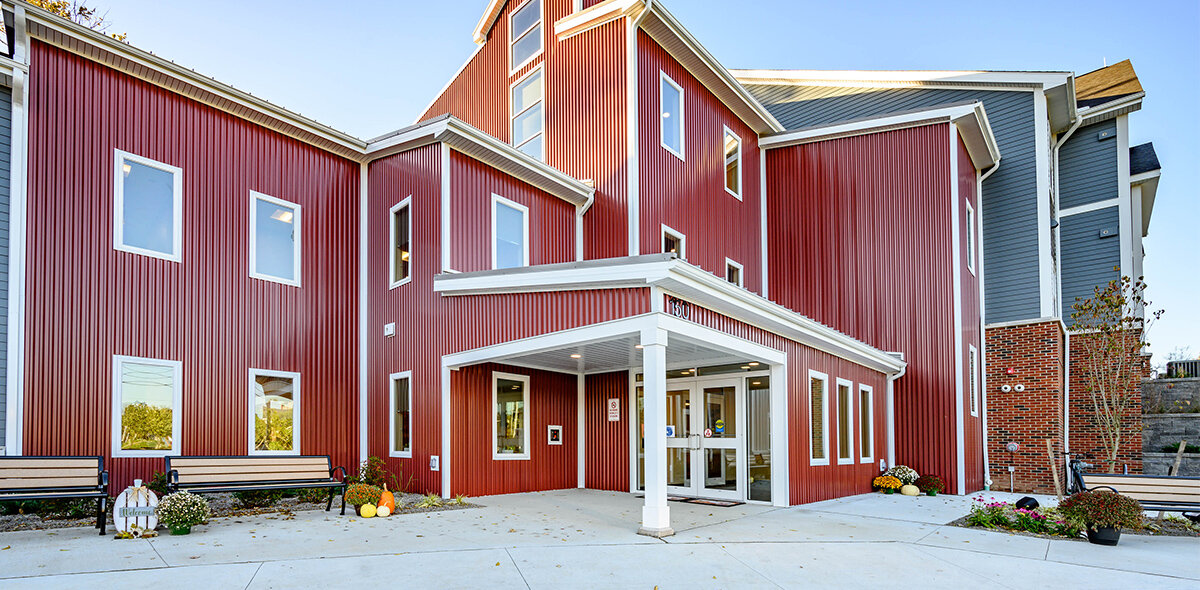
(510, 234)
(528, 115)
(400, 427)
(274, 412)
(510, 398)
(970, 238)
(526, 26)
(733, 163)
(866, 423)
(274, 239)
(845, 421)
(673, 242)
(147, 396)
(818, 423)
(671, 97)
(973, 377)
(733, 272)
(400, 227)
(148, 207)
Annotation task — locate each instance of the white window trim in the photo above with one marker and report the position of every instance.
(297, 247)
(678, 235)
(741, 271)
(972, 239)
(176, 406)
(724, 183)
(867, 455)
(513, 69)
(497, 201)
(407, 202)
(512, 116)
(849, 385)
(524, 379)
(119, 206)
(973, 366)
(663, 77)
(392, 451)
(296, 413)
(824, 379)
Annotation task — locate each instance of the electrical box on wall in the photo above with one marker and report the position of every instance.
(389, 330)
(434, 463)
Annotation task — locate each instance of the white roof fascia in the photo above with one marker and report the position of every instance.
(872, 77)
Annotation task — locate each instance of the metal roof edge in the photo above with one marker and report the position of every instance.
(981, 78)
(868, 125)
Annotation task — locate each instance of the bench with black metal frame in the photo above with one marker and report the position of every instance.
(1155, 492)
(218, 474)
(56, 478)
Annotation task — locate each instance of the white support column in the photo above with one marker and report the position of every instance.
(780, 473)
(581, 434)
(656, 515)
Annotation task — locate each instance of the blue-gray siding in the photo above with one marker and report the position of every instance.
(1088, 259)
(1010, 222)
(5, 148)
(1088, 165)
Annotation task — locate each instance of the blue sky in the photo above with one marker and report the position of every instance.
(375, 68)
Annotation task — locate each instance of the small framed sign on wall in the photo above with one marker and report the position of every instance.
(554, 435)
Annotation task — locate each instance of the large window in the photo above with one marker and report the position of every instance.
(400, 427)
(274, 412)
(400, 228)
(146, 406)
(818, 423)
(510, 428)
(971, 238)
(733, 163)
(526, 26)
(973, 377)
(671, 120)
(148, 207)
(510, 234)
(845, 422)
(866, 423)
(274, 239)
(528, 115)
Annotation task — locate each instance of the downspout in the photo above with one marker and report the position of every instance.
(580, 210)
(1055, 149)
(13, 444)
(891, 415)
(633, 183)
(364, 324)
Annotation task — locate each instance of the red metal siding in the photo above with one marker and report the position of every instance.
(689, 195)
(971, 323)
(88, 302)
(860, 240)
(607, 443)
(551, 219)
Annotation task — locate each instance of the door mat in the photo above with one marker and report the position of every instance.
(721, 503)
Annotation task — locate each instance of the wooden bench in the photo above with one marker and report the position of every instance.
(1165, 493)
(56, 478)
(210, 475)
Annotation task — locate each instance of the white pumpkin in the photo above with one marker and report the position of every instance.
(383, 511)
(910, 490)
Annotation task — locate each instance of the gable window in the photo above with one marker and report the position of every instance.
(845, 422)
(510, 233)
(274, 412)
(147, 397)
(528, 115)
(733, 163)
(818, 418)
(733, 272)
(526, 26)
(673, 242)
(866, 423)
(148, 207)
(970, 238)
(400, 427)
(510, 429)
(400, 227)
(671, 120)
(973, 377)
(274, 239)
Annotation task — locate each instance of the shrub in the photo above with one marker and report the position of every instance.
(312, 494)
(257, 498)
(930, 483)
(60, 508)
(904, 473)
(361, 493)
(1002, 515)
(430, 501)
(182, 509)
(886, 482)
(1102, 508)
(158, 483)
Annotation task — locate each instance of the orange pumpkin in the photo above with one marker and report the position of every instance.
(387, 499)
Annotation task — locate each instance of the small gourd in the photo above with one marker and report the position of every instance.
(383, 511)
(367, 510)
(387, 499)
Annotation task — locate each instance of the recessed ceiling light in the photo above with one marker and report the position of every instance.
(577, 356)
(745, 366)
(756, 383)
(638, 346)
(753, 364)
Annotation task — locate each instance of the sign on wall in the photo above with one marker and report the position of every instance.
(614, 409)
(554, 435)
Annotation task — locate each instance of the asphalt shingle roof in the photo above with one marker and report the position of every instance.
(1143, 159)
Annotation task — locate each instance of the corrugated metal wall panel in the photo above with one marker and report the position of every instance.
(689, 196)
(972, 325)
(5, 192)
(88, 302)
(607, 443)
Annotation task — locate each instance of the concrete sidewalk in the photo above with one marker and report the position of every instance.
(583, 538)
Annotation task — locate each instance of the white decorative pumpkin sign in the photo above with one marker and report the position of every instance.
(133, 511)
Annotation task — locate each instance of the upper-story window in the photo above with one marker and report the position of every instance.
(528, 114)
(510, 233)
(733, 272)
(671, 119)
(733, 163)
(148, 207)
(673, 242)
(400, 227)
(970, 238)
(526, 26)
(274, 239)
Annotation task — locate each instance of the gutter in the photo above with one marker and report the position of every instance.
(891, 412)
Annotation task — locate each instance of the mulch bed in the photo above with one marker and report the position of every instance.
(1165, 528)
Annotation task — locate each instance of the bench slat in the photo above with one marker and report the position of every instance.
(177, 462)
(36, 473)
(62, 482)
(1156, 490)
(252, 477)
(50, 462)
(220, 487)
(1144, 481)
(230, 469)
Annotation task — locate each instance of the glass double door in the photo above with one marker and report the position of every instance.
(704, 441)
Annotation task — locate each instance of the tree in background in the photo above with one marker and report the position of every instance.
(80, 13)
(1108, 332)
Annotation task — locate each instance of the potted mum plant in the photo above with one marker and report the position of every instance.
(1103, 513)
(886, 484)
(930, 484)
(361, 495)
(182, 510)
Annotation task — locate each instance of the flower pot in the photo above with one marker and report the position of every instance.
(888, 491)
(1104, 535)
(180, 530)
(932, 492)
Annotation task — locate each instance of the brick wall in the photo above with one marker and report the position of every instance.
(1031, 355)
(1085, 437)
